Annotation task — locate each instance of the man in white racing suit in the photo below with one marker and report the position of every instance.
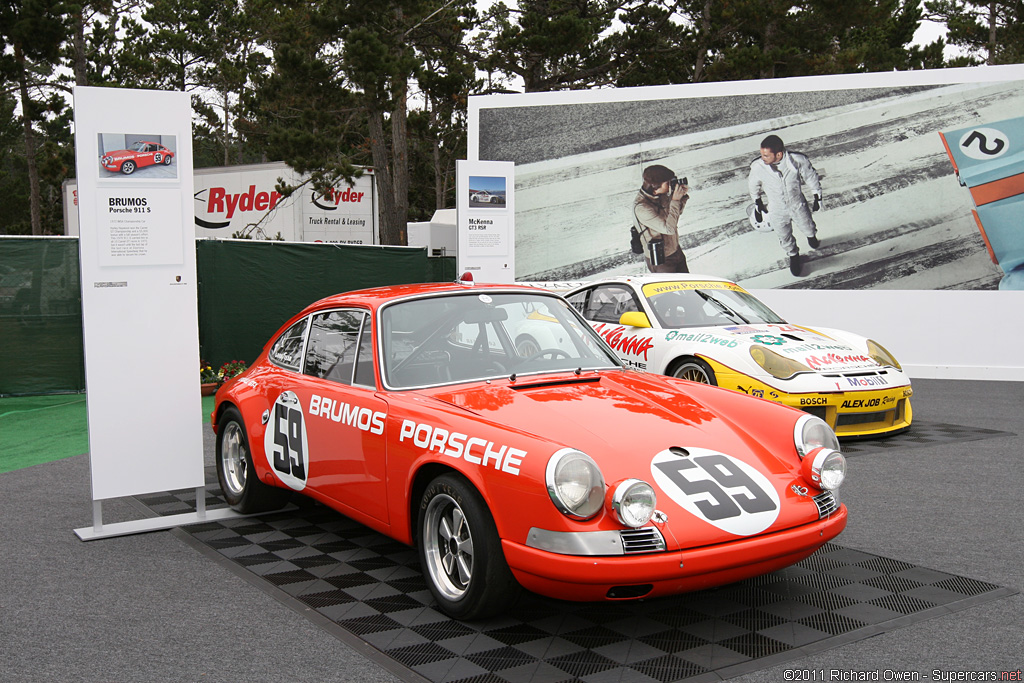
(780, 175)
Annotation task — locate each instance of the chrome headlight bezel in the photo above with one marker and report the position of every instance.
(810, 433)
(625, 493)
(825, 469)
(586, 503)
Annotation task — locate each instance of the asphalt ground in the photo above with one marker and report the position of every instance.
(152, 607)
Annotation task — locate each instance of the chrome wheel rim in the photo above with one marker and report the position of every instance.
(692, 372)
(448, 547)
(234, 465)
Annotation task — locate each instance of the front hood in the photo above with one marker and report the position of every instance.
(816, 350)
(655, 429)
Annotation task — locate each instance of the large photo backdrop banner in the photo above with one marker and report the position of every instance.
(892, 213)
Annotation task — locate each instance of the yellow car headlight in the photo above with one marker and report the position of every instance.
(775, 364)
(881, 355)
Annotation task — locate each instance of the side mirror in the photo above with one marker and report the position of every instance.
(634, 319)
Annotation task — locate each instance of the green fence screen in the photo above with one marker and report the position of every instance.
(246, 291)
(40, 316)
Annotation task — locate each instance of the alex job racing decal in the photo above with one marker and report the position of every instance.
(720, 489)
(285, 441)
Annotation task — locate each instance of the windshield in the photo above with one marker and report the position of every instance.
(704, 304)
(477, 336)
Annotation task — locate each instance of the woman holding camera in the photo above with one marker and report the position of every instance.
(656, 209)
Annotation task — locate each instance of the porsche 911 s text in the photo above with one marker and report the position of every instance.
(411, 410)
(710, 330)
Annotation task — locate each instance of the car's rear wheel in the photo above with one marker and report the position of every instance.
(128, 167)
(242, 488)
(167, 160)
(693, 369)
(460, 551)
(526, 346)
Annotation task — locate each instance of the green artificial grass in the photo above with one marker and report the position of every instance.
(38, 429)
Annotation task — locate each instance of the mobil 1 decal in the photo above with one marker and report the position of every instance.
(285, 441)
(720, 489)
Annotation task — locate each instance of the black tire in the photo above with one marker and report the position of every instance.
(128, 167)
(526, 346)
(167, 160)
(242, 489)
(693, 369)
(460, 551)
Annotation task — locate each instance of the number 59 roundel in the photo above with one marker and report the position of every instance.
(719, 489)
(285, 441)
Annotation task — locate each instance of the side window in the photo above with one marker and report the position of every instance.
(364, 357)
(608, 303)
(333, 341)
(287, 350)
(579, 301)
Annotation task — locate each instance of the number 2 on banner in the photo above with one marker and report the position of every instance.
(984, 143)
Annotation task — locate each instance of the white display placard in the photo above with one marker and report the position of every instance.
(486, 220)
(139, 296)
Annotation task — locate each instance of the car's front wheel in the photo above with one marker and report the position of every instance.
(242, 488)
(128, 167)
(693, 369)
(460, 551)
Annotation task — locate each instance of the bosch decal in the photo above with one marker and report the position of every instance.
(285, 442)
(363, 419)
(814, 401)
(472, 449)
(633, 345)
(717, 488)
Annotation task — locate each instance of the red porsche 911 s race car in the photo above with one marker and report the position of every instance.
(126, 161)
(555, 469)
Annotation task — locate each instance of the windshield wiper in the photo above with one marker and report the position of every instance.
(721, 306)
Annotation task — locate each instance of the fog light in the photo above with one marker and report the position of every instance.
(634, 502)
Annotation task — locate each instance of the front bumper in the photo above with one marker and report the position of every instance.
(590, 578)
(849, 411)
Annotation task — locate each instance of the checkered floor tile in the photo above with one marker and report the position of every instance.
(372, 587)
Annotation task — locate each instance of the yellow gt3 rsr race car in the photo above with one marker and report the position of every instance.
(706, 329)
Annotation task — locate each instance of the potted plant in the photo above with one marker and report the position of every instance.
(208, 380)
(232, 368)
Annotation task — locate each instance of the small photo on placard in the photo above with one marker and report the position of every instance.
(486, 192)
(124, 156)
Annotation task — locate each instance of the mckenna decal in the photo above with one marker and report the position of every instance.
(719, 489)
(472, 449)
(631, 345)
(363, 419)
(833, 359)
(768, 339)
(701, 339)
(285, 442)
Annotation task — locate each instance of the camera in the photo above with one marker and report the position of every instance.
(676, 182)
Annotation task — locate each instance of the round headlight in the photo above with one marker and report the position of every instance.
(575, 483)
(812, 432)
(634, 502)
(825, 469)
